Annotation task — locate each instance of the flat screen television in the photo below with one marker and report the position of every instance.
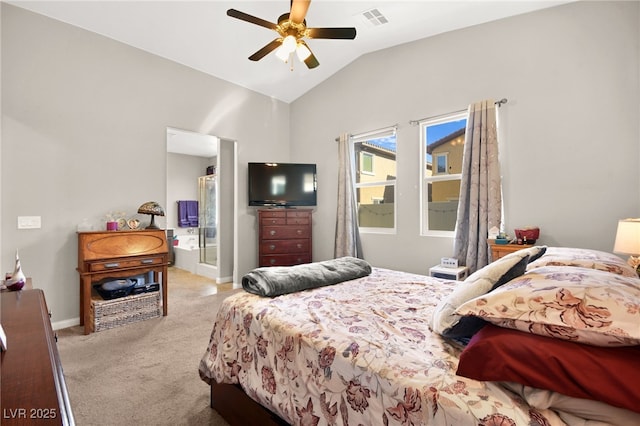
(282, 184)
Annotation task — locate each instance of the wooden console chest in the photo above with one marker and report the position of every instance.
(284, 236)
(33, 391)
(501, 250)
(120, 254)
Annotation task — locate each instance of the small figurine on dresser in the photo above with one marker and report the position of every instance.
(17, 280)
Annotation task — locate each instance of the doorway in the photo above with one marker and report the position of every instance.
(201, 169)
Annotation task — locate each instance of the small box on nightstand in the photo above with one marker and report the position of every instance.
(457, 274)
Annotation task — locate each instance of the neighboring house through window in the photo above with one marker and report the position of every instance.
(375, 179)
(442, 145)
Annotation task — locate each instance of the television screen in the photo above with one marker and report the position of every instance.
(282, 184)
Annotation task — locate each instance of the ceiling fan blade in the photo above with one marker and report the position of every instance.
(250, 18)
(339, 33)
(266, 50)
(311, 61)
(299, 10)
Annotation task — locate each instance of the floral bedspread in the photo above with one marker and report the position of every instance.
(358, 352)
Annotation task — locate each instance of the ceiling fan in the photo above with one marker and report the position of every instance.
(292, 30)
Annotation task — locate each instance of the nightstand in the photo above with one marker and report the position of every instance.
(501, 250)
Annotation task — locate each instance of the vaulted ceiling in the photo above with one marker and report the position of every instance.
(200, 35)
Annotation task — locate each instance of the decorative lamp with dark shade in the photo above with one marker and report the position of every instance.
(154, 209)
(628, 241)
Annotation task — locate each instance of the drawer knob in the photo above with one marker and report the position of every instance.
(272, 232)
(299, 231)
(299, 246)
(272, 246)
(112, 265)
(272, 261)
(146, 261)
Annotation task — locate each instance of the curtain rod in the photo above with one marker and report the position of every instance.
(414, 122)
(372, 132)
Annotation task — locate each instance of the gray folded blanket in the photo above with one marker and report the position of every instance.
(276, 280)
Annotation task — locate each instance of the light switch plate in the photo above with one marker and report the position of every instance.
(29, 222)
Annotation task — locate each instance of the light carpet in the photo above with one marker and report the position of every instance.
(146, 373)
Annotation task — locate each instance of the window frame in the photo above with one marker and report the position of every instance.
(425, 179)
(363, 137)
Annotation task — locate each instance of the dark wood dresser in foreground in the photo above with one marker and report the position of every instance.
(284, 236)
(32, 386)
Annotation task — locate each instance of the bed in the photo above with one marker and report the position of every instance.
(395, 348)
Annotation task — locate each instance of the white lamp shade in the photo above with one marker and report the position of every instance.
(289, 43)
(628, 237)
(282, 54)
(303, 52)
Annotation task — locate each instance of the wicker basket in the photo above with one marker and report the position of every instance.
(106, 314)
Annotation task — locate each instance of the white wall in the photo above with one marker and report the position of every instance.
(571, 137)
(84, 124)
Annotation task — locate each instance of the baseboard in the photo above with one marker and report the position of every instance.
(222, 280)
(58, 325)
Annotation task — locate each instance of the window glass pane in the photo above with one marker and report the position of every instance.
(443, 146)
(446, 138)
(376, 206)
(367, 162)
(442, 204)
(441, 164)
(375, 159)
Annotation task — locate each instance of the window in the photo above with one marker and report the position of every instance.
(441, 163)
(375, 179)
(442, 145)
(367, 163)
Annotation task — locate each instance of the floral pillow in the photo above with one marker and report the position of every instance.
(585, 258)
(449, 324)
(571, 303)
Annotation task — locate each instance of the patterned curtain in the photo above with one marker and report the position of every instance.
(480, 206)
(347, 233)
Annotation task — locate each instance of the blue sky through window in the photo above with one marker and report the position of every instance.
(434, 133)
(438, 131)
(388, 142)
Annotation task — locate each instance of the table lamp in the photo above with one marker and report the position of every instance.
(154, 209)
(628, 241)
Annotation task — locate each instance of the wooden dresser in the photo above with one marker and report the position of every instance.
(501, 250)
(284, 236)
(120, 254)
(33, 389)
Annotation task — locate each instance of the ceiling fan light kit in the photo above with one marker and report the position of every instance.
(292, 30)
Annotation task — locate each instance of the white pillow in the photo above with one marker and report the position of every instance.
(446, 322)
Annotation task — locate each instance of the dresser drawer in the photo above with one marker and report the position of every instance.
(284, 259)
(286, 232)
(273, 220)
(116, 264)
(273, 213)
(298, 220)
(284, 246)
(298, 214)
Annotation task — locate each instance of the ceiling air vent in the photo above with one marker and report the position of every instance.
(374, 17)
